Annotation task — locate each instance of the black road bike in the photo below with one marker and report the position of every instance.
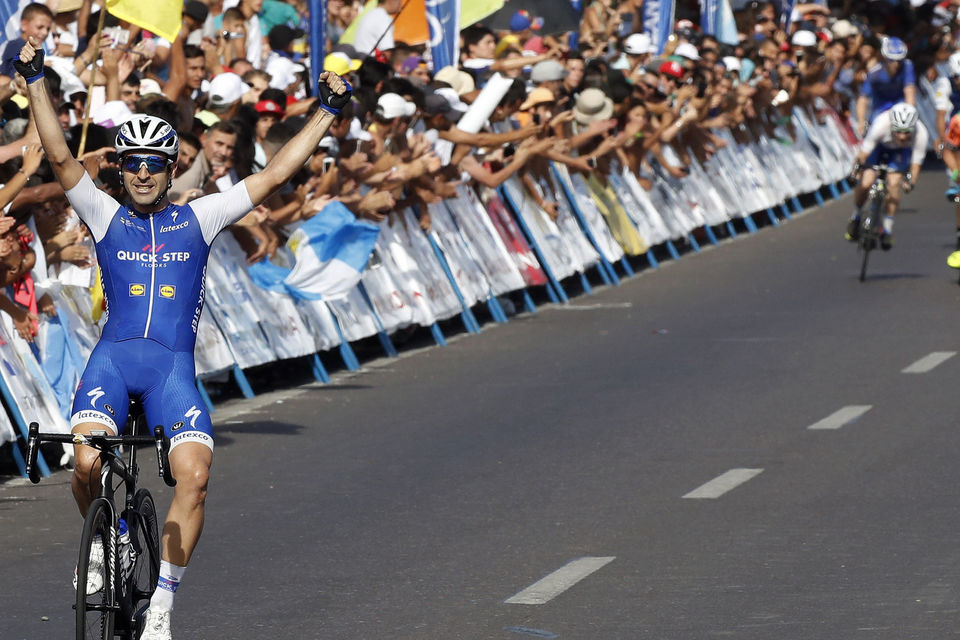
(128, 573)
(871, 224)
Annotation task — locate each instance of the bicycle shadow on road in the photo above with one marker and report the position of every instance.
(897, 276)
(256, 427)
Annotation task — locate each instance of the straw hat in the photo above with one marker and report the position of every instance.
(461, 81)
(537, 96)
(592, 104)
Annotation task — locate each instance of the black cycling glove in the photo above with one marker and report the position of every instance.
(331, 101)
(31, 71)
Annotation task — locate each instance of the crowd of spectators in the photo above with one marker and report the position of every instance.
(235, 84)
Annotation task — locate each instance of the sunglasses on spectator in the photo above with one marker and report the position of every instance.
(154, 164)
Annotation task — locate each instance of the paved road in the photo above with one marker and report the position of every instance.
(640, 463)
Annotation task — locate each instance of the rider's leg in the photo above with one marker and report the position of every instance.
(894, 180)
(86, 471)
(862, 189)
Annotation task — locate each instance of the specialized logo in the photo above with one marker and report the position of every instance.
(175, 227)
(168, 291)
(176, 212)
(137, 290)
(192, 414)
(95, 394)
(177, 426)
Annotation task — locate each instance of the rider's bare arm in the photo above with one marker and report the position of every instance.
(67, 169)
(290, 158)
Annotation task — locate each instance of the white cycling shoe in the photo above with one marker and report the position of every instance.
(156, 625)
(94, 568)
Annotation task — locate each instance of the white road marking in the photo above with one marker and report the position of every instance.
(594, 307)
(550, 587)
(722, 484)
(930, 362)
(842, 417)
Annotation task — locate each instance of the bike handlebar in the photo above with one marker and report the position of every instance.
(100, 441)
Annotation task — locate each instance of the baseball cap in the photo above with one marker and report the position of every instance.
(392, 105)
(340, 64)
(844, 29)
(435, 104)
(225, 89)
(547, 71)
(523, 20)
(638, 44)
(269, 107)
(671, 68)
(687, 50)
(411, 63)
(732, 63)
(281, 36)
(804, 38)
(452, 99)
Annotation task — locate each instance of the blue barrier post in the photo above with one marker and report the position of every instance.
(845, 185)
(751, 225)
(437, 335)
(469, 321)
(585, 284)
(672, 250)
(319, 371)
(346, 353)
(785, 211)
(834, 193)
(710, 235)
(385, 341)
(205, 396)
(528, 302)
(627, 269)
(731, 230)
(795, 203)
(693, 243)
(652, 260)
(604, 264)
(556, 295)
(818, 198)
(242, 382)
(24, 431)
(495, 309)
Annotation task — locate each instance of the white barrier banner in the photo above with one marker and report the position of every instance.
(389, 301)
(545, 232)
(354, 316)
(484, 242)
(465, 268)
(592, 218)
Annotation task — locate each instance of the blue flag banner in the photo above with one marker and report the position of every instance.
(318, 40)
(443, 16)
(785, 7)
(658, 22)
(331, 250)
(716, 19)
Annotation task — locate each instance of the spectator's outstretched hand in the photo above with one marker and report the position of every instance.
(32, 156)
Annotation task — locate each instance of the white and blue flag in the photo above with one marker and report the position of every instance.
(716, 19)
(331, 251)
(658, 22)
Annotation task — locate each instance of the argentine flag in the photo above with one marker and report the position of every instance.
(331, 250)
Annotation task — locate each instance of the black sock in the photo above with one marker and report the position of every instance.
(958, 238)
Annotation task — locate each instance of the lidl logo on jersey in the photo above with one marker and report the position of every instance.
(137, 290)
(168, 291)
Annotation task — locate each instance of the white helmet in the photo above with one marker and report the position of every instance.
(953, 64)
(903, 117)
(893, 49)
(148, 133)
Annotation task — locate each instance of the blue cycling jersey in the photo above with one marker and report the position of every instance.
(152, 268)
(886, 90)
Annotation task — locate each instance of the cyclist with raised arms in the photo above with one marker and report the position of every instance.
(897, 139)
(152, 256)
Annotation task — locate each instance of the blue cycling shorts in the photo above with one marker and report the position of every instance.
(163, 380)
(898, 160)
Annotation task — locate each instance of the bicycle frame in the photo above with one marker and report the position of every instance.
(871, 225)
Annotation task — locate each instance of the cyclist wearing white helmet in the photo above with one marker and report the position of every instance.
(898, 140)
(152, 256)
(890, 82)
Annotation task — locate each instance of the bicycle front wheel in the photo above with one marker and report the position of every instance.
(145, 538)
(96, 572)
